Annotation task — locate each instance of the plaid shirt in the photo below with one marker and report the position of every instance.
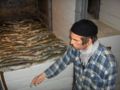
(99, 74)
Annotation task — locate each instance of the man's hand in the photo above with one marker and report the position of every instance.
(38, 79)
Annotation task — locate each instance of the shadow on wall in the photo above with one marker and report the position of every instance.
(114, 43)
(17, 8)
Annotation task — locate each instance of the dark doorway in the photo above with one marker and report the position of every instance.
(27, 9)
(45, 12)
(94, 8)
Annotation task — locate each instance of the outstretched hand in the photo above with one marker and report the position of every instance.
(38, 79)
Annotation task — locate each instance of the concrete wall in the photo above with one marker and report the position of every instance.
(63, 16)
(110, 13)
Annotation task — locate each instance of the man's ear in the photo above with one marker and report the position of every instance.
(90, 41)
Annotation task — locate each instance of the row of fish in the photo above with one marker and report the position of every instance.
(26, 42)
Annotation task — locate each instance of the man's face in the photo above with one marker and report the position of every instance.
(76, 42)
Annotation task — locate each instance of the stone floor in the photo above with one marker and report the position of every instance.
(105, 30)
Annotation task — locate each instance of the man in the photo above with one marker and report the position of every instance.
(94, 65)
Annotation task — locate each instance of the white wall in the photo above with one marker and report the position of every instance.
(63, 16)
(110, 13)
(21, 79)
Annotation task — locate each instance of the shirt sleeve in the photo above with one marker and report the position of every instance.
(61, 63)
(112, 75)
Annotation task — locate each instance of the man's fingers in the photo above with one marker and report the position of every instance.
(38, 79)
(35, 80)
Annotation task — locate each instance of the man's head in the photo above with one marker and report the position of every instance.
(83, 33)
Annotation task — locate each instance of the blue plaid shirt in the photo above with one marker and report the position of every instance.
(99, 73)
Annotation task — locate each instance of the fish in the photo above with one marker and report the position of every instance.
(27, 42)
